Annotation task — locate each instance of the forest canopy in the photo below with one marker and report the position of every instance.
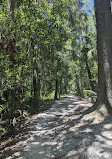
(47, 49)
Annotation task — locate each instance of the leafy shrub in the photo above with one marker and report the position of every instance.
(90, 95)
(14, 107)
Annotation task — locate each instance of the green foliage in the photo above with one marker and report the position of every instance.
(49, 97)
(2, 131)
(90, 95)
(43, 47)
(1, 108)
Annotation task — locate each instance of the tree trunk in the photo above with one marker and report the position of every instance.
(78, 86)
(56, 90)
(104, 48)
(65, 87)
(36, 90)
(12, 7)
(89, 75)
(60, 88)
(36, 81)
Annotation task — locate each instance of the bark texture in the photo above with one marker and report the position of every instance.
(104, 48)
(36, 87)
(89, 73)
(79, 93)
(56, 90)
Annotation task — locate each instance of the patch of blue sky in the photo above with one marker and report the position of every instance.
(91, 4)
(88, 6)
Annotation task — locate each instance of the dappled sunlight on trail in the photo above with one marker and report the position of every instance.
(59, 133)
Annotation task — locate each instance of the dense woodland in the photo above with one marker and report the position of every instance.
(47, 49)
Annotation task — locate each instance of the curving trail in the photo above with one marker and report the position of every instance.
(59, 133)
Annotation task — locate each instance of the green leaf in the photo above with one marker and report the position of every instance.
(14, 121)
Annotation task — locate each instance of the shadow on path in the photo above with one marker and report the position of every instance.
(59, 133)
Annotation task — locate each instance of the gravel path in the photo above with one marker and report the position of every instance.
(59, 133)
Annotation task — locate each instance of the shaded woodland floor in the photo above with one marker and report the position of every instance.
(61, 133)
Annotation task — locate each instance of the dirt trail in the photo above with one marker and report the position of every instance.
(59, 133)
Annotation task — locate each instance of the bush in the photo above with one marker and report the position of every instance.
(90, 95)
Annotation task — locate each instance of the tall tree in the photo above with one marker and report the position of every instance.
(104, 49)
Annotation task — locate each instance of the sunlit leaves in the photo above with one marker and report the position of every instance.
(49, 38)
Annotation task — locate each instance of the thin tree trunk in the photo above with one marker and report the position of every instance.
(12, 7)
(36, 83)
(35, 88)
(90, 76)
(65, 87)
(60, 88)
(56, 90)
(78, 86)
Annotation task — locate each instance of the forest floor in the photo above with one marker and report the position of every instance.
(61, 133)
